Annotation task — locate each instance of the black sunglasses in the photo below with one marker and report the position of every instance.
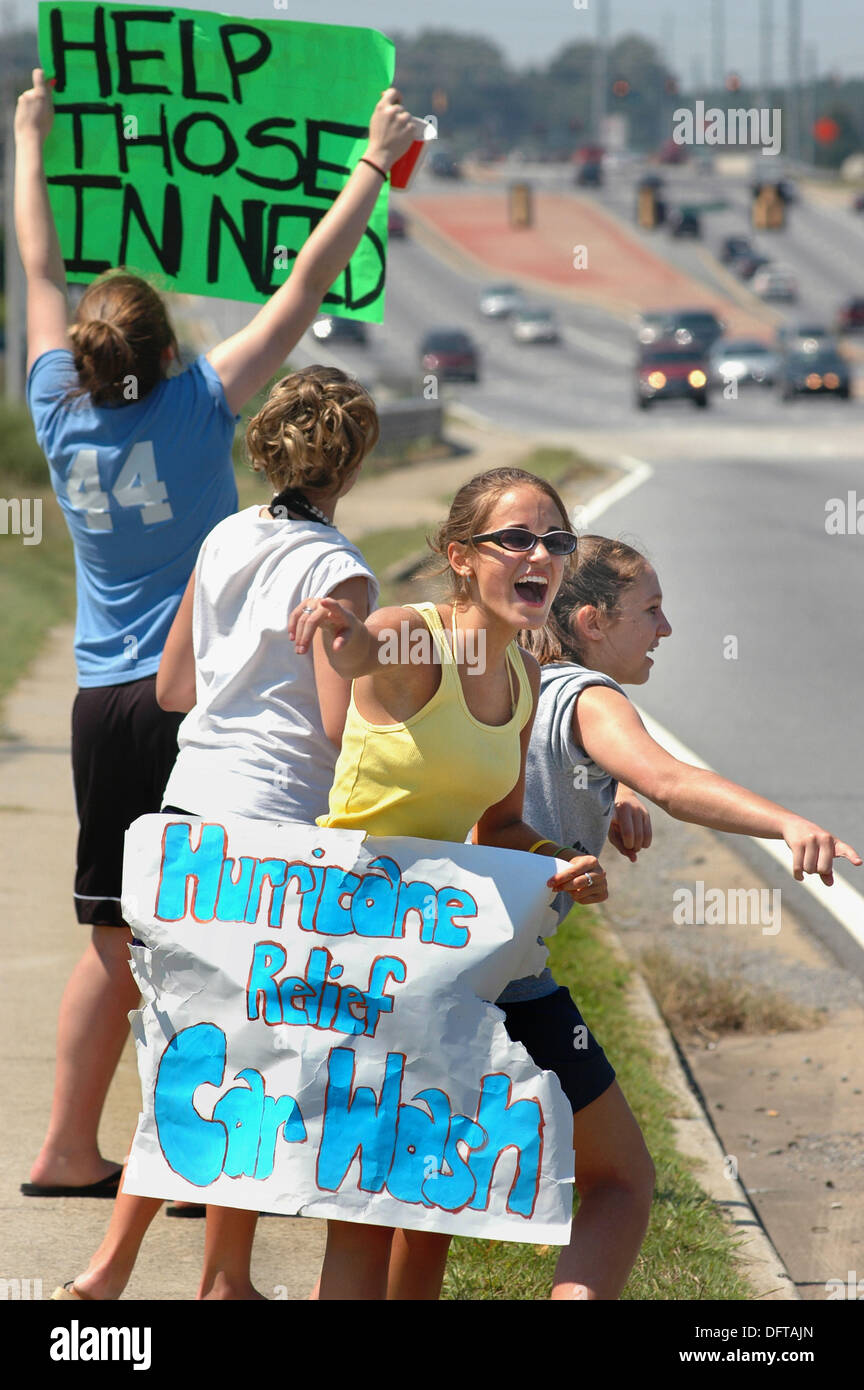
(515, 538)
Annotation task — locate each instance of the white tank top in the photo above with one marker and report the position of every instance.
(254, 744)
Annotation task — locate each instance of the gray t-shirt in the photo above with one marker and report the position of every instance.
(568, 798)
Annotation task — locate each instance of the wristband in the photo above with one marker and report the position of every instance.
(539, 843)
(373, 165)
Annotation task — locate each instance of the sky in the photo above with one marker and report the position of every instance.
(531, 31)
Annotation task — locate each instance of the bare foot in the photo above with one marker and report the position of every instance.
(70, 1170)
(221, 1289)
(97, 1286)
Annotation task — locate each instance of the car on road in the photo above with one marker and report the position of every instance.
(397, 225)
(748, 263)
(701, 327)
(589, 176)
(733, 247)
(330, 328)
(850, 316)
(444, 166)
(775, 282)
(681, 222)
(650, 327)
(823, 372)
(747, 361)
(534, 325)
(667, 370)
(451, 354)
(803, 337)
(499, 301)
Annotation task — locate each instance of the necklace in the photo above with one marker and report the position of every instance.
(290, 499)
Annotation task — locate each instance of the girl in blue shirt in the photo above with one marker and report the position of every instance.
(141, 465)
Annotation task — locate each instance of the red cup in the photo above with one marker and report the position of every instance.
(403, 170)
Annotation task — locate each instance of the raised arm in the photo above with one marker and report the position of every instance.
(248, 359)
(607, 726)
(38, 244)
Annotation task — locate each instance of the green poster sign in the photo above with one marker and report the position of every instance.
(202, 149)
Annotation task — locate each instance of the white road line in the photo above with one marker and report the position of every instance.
(637, 472)
(599, 347)
(845, 903)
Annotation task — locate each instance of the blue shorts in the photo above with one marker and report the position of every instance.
(556, 1036)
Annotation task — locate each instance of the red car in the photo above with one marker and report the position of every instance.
(668, 370)
(396, 224)
(850, 316)
(450, 353)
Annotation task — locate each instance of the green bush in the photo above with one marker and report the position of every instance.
(21, 459)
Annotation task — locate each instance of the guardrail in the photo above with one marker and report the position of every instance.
(404, 421)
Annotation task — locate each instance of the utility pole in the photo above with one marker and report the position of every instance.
(793, 102)
(718, 44)
(766, 45)
(601, 68)
(811, 73)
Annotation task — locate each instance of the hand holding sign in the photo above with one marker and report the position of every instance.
(35, 110)
(391, 130)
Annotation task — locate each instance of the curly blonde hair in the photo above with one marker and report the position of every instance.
(316, 426)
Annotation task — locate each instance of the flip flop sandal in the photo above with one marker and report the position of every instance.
(106, 1187)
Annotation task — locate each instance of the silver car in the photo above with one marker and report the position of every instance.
(747, 361)
(532, 325)
(499, 301)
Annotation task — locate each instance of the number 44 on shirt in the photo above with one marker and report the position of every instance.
(137, 485)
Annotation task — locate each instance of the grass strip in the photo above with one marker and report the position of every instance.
(688, 1250)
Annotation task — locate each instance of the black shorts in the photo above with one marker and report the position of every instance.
(556, 1036)
(123, 749)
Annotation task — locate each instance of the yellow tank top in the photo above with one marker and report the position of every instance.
(434, 775)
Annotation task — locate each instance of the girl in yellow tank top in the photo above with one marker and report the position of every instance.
(437, 730)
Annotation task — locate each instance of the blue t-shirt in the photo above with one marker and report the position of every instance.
(140, 485)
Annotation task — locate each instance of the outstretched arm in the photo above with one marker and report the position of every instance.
(34, 225)
(248, 359)
(607, 726)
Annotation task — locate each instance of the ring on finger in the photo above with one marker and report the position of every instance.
(589, 880)
(308, 608)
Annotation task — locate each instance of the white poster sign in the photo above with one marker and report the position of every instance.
(313, 1038)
